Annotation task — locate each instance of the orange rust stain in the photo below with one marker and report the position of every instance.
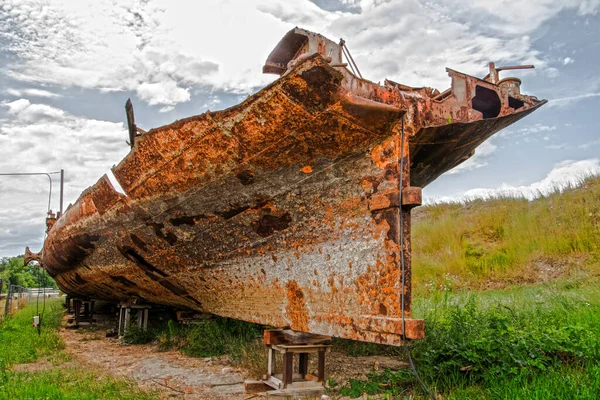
(340, 319)
(296, 308)
(307, 169)
(385, 153)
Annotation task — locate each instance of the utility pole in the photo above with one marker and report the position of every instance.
(62, 185)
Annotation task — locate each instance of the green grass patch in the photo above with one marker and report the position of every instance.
(68, 384)
(510, 344)
(570, 382)
(20, 343)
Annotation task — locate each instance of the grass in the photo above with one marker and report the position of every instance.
(19, 340)
(571, 382)
(67, 384)
(505, 241)
(539, 342)
(20, 343)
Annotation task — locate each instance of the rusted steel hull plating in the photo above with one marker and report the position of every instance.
(283, 210)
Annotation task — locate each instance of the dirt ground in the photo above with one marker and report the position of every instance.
(171, 373)
(175, 375)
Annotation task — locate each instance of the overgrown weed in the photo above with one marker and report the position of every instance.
(479, 344)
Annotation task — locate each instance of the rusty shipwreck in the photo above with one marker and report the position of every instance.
(291, 209)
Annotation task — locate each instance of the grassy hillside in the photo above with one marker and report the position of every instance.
(496, 243)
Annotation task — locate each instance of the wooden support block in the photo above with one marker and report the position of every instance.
(146, 315)
(77, 309)
(271, 362)
(321, 367)
(290, 337)
(140, 319)
(288, 368)
(412, 196)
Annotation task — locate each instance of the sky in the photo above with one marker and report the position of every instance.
(67, 68)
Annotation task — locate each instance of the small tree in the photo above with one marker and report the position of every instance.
(14, 272)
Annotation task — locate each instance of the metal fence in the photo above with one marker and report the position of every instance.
(17, 296)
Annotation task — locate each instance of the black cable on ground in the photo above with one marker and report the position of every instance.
(403, 269)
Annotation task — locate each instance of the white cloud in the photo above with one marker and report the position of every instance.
(27, 112)
(567, 61)
(166, 109)
(536, 128)
(163, 49)
(557, 146)
(166, 92)
(589, 144)
(33, 92)
(100, 45)
(565, 101)
(40, 138)
(530, 133)
(563, 175)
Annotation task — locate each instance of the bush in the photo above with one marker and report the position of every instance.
(135, 335)
(220, 336)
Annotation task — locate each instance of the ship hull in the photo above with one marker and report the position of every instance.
(283, 210)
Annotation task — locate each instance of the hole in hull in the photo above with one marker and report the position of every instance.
(515, 104)
(487, 102)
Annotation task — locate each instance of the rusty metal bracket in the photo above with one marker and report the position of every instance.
(31, 256)
(412, 196)
(134, 131)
